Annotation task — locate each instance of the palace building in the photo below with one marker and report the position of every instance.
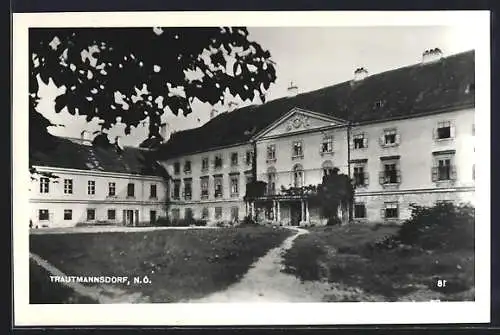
(404, 136)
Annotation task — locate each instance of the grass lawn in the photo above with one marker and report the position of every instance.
(180, 264)
(341, 255)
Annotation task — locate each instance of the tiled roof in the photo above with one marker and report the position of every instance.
(64, 153)
(421, 88)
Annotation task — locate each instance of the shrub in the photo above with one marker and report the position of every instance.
(248, 221)
(200, 223)
(163, 221)
(333, 221)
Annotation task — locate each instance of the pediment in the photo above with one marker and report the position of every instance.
(299, 120)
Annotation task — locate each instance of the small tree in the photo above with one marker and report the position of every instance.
(335, 194)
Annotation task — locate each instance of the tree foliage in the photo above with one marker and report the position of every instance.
(133, 74)
(335, 191)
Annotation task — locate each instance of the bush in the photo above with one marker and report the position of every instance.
(334, 221)
(248, 221)
(200, 223)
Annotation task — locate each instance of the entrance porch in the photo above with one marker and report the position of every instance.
(293, 211)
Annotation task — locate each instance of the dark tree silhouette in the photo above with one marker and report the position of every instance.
(335, 191)
(134, 74)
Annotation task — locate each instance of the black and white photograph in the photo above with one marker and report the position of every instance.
(236, 165)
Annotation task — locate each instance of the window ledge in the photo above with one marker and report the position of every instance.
(130, 197)
(392, 145)
(271, 160)
(447, 139)
(323, 153)
(298, 157)
(235, 195)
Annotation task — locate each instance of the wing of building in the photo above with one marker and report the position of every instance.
(95, 184)
(404, 136)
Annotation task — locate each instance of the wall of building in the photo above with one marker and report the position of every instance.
(56, 201)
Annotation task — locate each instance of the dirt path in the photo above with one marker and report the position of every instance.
(265, 282)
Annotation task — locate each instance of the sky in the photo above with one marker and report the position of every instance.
(311, 58)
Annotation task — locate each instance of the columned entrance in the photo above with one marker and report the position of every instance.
(279, 209)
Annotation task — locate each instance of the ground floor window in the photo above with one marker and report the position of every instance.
(43, 214)
(152, 216)
(111, 214)
(188, 213)
(175, 213)
(204, 213)
(234, 213)
(359, 210)
(90, 214)
(391, 210)
(218, 213)
(68, 214)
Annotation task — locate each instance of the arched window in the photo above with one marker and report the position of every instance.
(327, 168)
(298, 176)
(271, 180)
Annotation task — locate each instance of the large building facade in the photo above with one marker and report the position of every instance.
(404, 137)
(79, 183)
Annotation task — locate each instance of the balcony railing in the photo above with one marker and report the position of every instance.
(444, 173)
(390, 177)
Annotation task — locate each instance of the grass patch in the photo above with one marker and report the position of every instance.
(181, 264)
(346, 255)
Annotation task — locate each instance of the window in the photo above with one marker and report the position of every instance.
(271, 180)
(68, 186)
(43, 214)
(177, 168)
(188, 213)
(360, 176)
(359, 210)
(390, 210)
(111, 189)
(152, 191)
(44, 185)
(176, 213)
(204, 213)
(91, 187)
(218, 161)
(177, 189)
(298, 176)
(187, 167)
(130, 190)
(90, 214)
(235, 180)
(443, 168)
(360, 141)
(444, 130)
(187, 189)
(271, 152)
(218, 187)
(68, 214)
(234, 159)
(297, 150)
(111, 214)
(152, 217)
(218, 213)
(390, 138)
(234, 213)
(390, 173)
(327, 168)
(249, 157)
(327, 144)
(204, 187)
(204, 164)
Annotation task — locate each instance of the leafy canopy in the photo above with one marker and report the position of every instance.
(128, 75)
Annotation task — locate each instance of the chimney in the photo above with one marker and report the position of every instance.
(231, 106)
(431, 55)
(360, 73)
(292, 90)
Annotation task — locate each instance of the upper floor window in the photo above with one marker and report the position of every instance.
(111, 189)
(44, 185)
(271, 180)
(360, 176)
(204, 164)
(204, 187)
(130, 190)
(360, 141)
(327, 168)
(218, 161)
(298, 176)
(390, 173)
(234, 187)
(297, 149)
(177, 189)
(249, 157)
(152, 191)
(444, 168)
(177, 168)
(187, 189)
(390, 138)
(68, 186)
(187, 167)
(218, 187)
(234, 159)
(327, 144)
(444, 130)
(271, 152)
(91, 187)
